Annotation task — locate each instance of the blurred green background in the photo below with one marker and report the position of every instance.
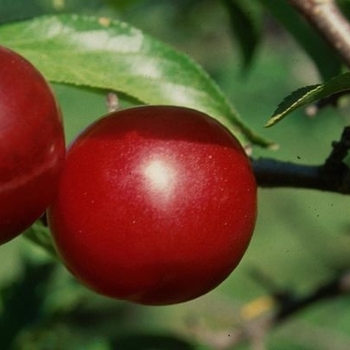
(301, 240)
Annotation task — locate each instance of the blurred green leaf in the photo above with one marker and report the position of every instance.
(111, 55)
(39, 234)
(22, 301)
(246, 27)
(53, 336)
(11, 10)
(122, 4)
(15, 10)
(344, 6)
(151, 342)
(326, 60)
(309, 94)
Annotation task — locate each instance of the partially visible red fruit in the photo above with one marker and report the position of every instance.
(32, 148)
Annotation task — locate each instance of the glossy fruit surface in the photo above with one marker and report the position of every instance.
(32, 147)
(157, 205)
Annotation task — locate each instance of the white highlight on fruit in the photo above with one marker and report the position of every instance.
(160, 176)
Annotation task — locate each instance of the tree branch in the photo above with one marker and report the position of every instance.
(281, 306)
(332, 176)
(326, 17)
(335, 287)
(275, 173)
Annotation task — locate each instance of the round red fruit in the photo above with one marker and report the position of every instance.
(156, 205)
(32, 147)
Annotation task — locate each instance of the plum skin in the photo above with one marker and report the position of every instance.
(156, 205)
(32, 146)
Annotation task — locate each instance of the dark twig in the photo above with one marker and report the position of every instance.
(334, 162)
(336, 287)
(332, 176)
(332, 101)
(275, 173)
(326, 17)
(254, 328)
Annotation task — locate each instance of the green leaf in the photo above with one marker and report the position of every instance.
(344, 7)
(39, 234)
(23, 301)
(151, 342)
(11, 10)
(309, 94)
(324, 57)
(246, 27)
(111, 55)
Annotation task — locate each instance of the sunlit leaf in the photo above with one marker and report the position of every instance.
(309, 94)
(111, 55)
